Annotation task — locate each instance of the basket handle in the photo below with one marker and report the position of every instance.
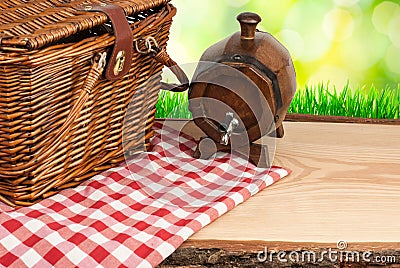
(161, 55)
(165, 59)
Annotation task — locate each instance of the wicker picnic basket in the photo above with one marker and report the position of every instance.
(68, 72)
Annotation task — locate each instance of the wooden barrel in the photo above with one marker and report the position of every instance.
(243, 86)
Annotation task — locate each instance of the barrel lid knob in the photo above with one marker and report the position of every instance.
(248, 23)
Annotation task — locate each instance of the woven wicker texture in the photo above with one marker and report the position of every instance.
(60, 122)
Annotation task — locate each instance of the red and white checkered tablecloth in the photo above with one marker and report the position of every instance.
(134, 215)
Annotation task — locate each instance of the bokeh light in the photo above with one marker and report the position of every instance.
(294, 42)
(338, 24)
(237, 3)
(336, 41)
(383, 15)
(393, 59)
(346, 3)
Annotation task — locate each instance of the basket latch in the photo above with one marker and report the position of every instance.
(120, 60)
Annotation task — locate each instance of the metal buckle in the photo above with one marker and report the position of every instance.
(150, 43)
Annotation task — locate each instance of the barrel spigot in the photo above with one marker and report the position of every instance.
(226, 128)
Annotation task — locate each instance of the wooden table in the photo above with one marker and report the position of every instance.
(345, 186)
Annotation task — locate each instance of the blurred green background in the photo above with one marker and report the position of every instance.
(331, 41)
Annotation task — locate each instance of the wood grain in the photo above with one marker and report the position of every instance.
(345, 185)
(339, 119)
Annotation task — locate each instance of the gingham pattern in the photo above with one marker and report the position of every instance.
(134, 215)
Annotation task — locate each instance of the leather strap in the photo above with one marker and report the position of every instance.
(226, 59)
(162, 57)
(120, 60)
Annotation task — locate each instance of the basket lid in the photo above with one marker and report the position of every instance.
(32, 24)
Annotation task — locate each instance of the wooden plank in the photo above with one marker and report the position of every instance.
(345, 185)
(339, 119)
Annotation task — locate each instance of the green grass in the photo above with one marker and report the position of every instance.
(317, 100)
(173, 105)
(362, 102)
